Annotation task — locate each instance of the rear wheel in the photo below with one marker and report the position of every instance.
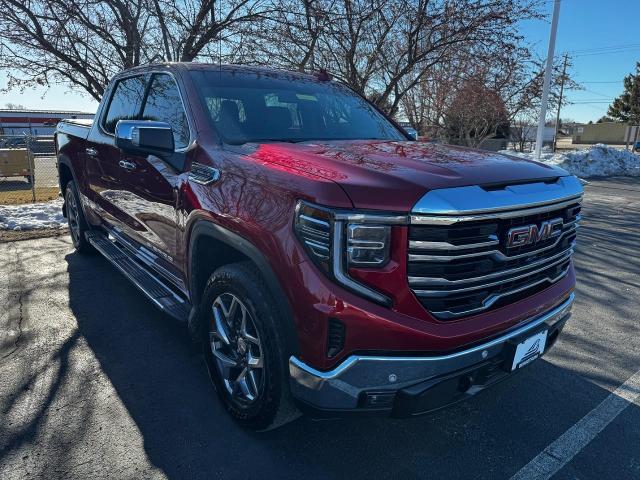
(246, 354)
(75, 218)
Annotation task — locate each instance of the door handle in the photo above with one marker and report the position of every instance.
(92, 152)
(129, 166)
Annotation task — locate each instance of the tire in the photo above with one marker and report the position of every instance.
(75, 217)
(252, 361)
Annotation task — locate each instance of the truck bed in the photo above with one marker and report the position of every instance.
(76, 127)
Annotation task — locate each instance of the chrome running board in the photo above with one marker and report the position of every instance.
(158, 291)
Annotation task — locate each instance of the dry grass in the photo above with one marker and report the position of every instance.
(17, 235)
(15, 197)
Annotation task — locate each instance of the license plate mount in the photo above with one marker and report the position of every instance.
(526, 349)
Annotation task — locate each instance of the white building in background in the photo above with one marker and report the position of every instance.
(34, 122)
(530, 132)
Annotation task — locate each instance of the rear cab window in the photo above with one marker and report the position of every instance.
(125, 102)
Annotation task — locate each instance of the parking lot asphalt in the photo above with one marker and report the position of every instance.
(95, 383)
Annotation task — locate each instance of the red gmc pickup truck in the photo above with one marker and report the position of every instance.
(326, 262)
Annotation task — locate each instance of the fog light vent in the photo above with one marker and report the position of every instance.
(378, 399)
(335, 337)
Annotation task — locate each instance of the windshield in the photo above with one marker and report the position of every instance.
(255, 107)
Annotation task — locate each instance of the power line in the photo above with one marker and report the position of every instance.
(606, 52)
(599, 94)
(610, 47)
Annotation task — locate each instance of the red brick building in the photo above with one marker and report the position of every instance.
(34, 122)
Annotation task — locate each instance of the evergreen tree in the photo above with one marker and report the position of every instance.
(626, 108)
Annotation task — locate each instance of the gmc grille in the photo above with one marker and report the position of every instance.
(465, 268)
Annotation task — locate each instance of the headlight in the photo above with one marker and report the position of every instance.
(336, 240)
(368, 245)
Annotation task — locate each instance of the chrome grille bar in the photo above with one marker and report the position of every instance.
(430, 281)
(494, 298)
(449, 292)
(497, 254)
(423, 245)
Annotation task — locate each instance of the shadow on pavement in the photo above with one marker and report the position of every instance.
(160, 378)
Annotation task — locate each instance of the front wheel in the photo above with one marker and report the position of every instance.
(245, 349)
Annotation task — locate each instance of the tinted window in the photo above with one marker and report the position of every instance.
(164, 105)
(247, 107)
(125, 103)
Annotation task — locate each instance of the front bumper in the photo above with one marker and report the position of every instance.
(404, 386)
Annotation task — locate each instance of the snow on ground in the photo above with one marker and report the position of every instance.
(598, 161)
(32, 216)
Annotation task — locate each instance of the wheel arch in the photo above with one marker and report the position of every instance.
(65, 172)
(205, 237)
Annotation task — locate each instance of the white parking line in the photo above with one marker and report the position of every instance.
(564, 448)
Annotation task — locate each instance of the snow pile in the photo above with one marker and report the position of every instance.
(598, 161)
(32, 216)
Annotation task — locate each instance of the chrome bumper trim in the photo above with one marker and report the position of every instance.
(340, 388)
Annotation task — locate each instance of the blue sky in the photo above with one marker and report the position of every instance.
(589, 25)
(584, 25)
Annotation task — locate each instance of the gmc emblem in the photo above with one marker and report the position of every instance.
(528, 234)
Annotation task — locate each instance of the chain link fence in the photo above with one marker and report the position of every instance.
(28, 171)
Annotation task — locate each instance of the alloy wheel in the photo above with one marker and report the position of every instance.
(236, 348)
(73, 216)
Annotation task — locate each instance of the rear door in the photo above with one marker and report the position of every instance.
(107, 193)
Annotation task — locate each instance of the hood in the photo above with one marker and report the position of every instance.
(393, 176)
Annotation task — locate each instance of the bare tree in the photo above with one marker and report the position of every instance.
(14, 106)
(383, 46)
(523, 130)
(435, 31)
(81, 44)
(287, 37)
(475, 114)
(397, 52)
(198, 29)
(84, 43)
(512, 74)
(426, 103)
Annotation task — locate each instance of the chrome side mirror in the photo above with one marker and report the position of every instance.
(144, 137)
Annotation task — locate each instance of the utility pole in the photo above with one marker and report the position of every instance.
(547, 78)
(564, 73)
